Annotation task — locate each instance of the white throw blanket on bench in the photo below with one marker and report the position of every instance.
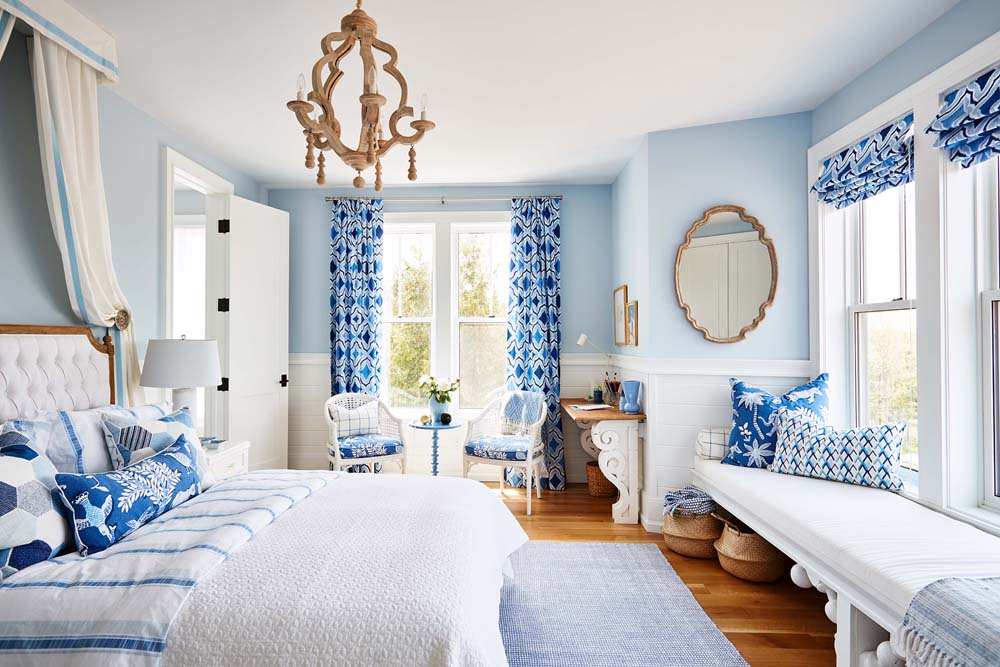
(116, 607)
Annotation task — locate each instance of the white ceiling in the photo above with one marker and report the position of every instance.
(522, 91)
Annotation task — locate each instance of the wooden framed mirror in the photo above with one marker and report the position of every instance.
(726, 274)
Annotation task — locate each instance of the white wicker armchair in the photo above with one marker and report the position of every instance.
(359, 450)
(509, 435)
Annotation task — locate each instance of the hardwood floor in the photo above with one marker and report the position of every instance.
(771, 625)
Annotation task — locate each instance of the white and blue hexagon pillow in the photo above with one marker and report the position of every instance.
(34, 524)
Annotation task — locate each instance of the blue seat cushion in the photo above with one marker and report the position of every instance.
(368, 445)
(500, 447)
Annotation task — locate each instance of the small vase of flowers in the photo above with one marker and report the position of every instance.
(439, 392)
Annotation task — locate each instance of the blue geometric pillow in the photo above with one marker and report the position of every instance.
(34, 525)
(108, 506)
(752, 440)
(868, 456)
(130, 440)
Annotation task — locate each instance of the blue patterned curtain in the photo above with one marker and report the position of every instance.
(533, 335)
(968, 124)
(355, 295)
(880, 161)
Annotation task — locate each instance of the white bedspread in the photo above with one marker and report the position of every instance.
(369, 571)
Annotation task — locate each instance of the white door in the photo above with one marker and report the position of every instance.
(749, 282)
(248, 266)
(705, 276)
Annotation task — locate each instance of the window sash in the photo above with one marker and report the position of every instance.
(457, 229)
(906, 290)
(991, 393)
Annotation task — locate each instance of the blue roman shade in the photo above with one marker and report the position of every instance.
(968, 124)
(882, 160)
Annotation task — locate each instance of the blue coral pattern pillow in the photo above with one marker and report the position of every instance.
(868, 456)
(34, 524)
(752, 440)
(108, 506)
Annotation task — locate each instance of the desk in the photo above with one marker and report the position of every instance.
(612, 437)
(435, 428)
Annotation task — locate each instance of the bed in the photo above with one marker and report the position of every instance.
(358, 570)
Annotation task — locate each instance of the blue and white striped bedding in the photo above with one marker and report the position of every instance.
(116, 607)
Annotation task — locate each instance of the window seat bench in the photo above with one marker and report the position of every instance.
(869, 550)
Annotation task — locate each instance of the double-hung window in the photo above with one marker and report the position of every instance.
(445, 292)
(883, 319)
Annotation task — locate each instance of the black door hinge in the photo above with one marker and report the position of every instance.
(224, 305)
(284, 380)
(224, 386)
(224, 226)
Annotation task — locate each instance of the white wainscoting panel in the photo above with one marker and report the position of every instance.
(679, 397)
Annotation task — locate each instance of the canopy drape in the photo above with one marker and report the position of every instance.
(880, 161)
(64, 25)
(6, 29)
(968, 124)
(66, 108)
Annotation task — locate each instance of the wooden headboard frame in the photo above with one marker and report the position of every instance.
(106, 347)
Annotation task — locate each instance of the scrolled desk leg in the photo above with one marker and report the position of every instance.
(618, 459)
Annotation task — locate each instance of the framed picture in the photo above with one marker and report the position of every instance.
(632, 322)
(620, 301)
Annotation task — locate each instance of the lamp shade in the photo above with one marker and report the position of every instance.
(582, 340)
(181, 363)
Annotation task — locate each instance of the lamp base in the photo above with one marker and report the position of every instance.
(186, 397)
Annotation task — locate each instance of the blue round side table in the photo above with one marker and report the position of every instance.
(435, 428)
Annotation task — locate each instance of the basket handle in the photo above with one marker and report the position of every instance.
(729, 524)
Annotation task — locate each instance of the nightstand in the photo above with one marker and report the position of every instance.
(231, 458)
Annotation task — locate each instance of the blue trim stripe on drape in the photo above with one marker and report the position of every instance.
(119, 383)
(533, 314)
(356, 296)
(968, 124)
(880, 161)
(77, 45)
(67, 225)
(6, 28)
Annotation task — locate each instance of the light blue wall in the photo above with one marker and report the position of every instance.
(758, 164)
(630, 231)
(585, 253)
(962, 27)
(32, 287)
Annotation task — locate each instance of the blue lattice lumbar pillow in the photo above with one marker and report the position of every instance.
(108, 506)
(752, 440)
(868, 456)
(130, 440)
(34, 525)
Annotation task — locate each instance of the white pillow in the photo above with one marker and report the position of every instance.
(74, 439)
(360, 421)
(713, 443)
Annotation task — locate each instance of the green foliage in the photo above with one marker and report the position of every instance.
(892, 376)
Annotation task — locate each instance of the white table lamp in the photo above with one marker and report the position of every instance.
(584, 340)
(182, 365)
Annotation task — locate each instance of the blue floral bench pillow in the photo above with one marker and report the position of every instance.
(753, 438)
(108, 506)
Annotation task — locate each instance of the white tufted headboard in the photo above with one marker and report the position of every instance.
(53, 368)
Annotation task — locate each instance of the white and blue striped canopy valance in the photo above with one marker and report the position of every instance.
(882, 160)
(968, 125)
(60, 22)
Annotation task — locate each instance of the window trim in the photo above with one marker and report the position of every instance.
(443, 228)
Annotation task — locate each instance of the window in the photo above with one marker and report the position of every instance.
(883, 319)
(408, 310)
(482, 258)
(445, 290)
(988, 188)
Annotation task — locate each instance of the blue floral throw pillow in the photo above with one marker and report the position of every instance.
(753, 439)
(108, 506)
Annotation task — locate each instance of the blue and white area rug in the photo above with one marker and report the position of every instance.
(605, 605)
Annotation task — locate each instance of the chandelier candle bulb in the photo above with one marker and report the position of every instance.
(315, 111)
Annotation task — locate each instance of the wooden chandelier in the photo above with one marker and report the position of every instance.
(322, 132)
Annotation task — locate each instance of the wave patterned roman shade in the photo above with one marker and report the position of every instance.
(882, 160)
(968, 124)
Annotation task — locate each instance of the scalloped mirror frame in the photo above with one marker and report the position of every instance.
(762, 235)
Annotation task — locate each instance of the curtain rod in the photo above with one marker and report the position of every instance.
(440, 199)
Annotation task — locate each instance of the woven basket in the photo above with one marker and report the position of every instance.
(747, 555)
(692, 535)
(597, 484)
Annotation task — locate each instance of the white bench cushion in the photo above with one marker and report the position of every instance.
(890, 544)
